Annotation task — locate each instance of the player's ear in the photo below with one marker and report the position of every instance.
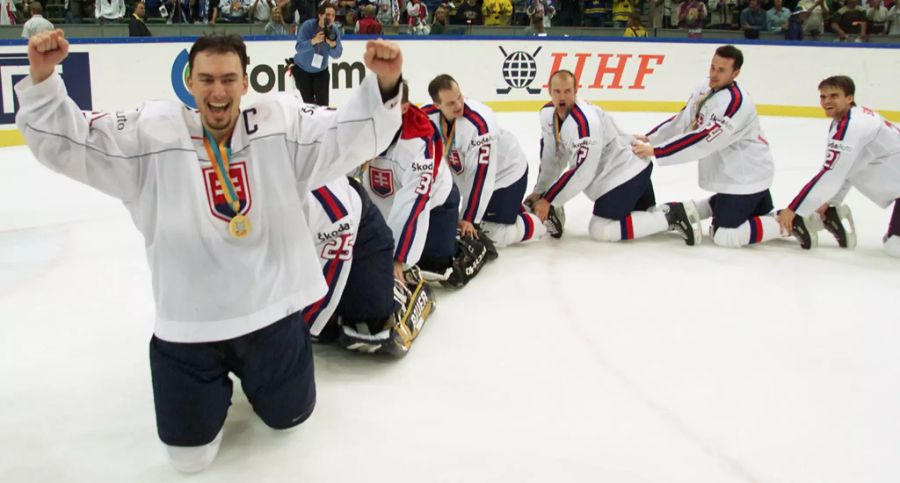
(246, 85)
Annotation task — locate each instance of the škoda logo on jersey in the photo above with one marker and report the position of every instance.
(218, 205)
(382, 181)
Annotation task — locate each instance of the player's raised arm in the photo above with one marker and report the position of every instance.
(45, 51)
(386, 60)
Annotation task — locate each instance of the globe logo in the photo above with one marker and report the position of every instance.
(519, 70)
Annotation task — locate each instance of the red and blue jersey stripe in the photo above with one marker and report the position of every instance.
(756, 230)
(805, 191)
(477, 189)
(627, 228)
(737, 100)
(841, 131)
(558, 186)
(480, 124)
(664, 123)
(577, 115)
(528, 224)
(331, 271)
(433, 149)
(429, 109)
(330, 203)
(682, 143)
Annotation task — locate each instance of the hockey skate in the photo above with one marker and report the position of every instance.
(803, 229)
(684, 219)
(833, 222)
(555, 222)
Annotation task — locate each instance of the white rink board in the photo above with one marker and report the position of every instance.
(123, 75)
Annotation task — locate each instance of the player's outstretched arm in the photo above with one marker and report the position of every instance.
(45, 51)
(386, 61)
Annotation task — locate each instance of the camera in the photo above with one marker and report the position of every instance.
(329, 32)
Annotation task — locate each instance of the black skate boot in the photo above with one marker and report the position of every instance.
(554, 224)
(802, 233)
(833, 222)
(681, 218)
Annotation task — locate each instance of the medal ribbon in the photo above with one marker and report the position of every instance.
(449, 139)
(700, 104)
(221, 167)
(557, 127)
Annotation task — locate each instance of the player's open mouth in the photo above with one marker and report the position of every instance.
(218, 108)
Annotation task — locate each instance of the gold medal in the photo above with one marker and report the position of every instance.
(239, 226)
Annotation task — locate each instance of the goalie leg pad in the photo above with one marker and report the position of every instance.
(415, 302)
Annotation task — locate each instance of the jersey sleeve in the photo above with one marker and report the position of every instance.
(585, 154)
(830, 184)
(327, 143)
(724, 125)
(409, 216)
(100, 149)
(552, 161)
(671, 127)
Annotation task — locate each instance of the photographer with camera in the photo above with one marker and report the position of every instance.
(317, 40)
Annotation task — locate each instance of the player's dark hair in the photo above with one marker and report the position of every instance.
(440, 83)
(841, 82)
(562, 73)
(733, 53)
(220, 44)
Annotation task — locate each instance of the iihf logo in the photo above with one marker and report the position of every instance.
(519, 71)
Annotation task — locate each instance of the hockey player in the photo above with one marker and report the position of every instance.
(581, 137)
(413, 189)
(488, 165)
(720, 128)
(863, 151)
(366, 307)
(217, 193)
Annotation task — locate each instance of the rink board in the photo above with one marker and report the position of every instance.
(509, 75)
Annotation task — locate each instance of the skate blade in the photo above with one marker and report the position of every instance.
(844, 213)
(690, 209)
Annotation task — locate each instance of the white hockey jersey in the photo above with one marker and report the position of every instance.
(721, 130)
(334, 212)
(208, 285)
(482, 156)
(863, 151)
(596, 151)
(407, 181)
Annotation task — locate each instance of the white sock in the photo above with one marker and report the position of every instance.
(637, 224)
(757, 229)
(191, 459)
(704, 209)
(527, 227)
(892, 245)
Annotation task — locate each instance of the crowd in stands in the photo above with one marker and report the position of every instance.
(796, 19)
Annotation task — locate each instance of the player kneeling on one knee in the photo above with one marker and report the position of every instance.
(863, 151)
(719, 128)
(366, 308)
(488, 166)
(579, 136)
